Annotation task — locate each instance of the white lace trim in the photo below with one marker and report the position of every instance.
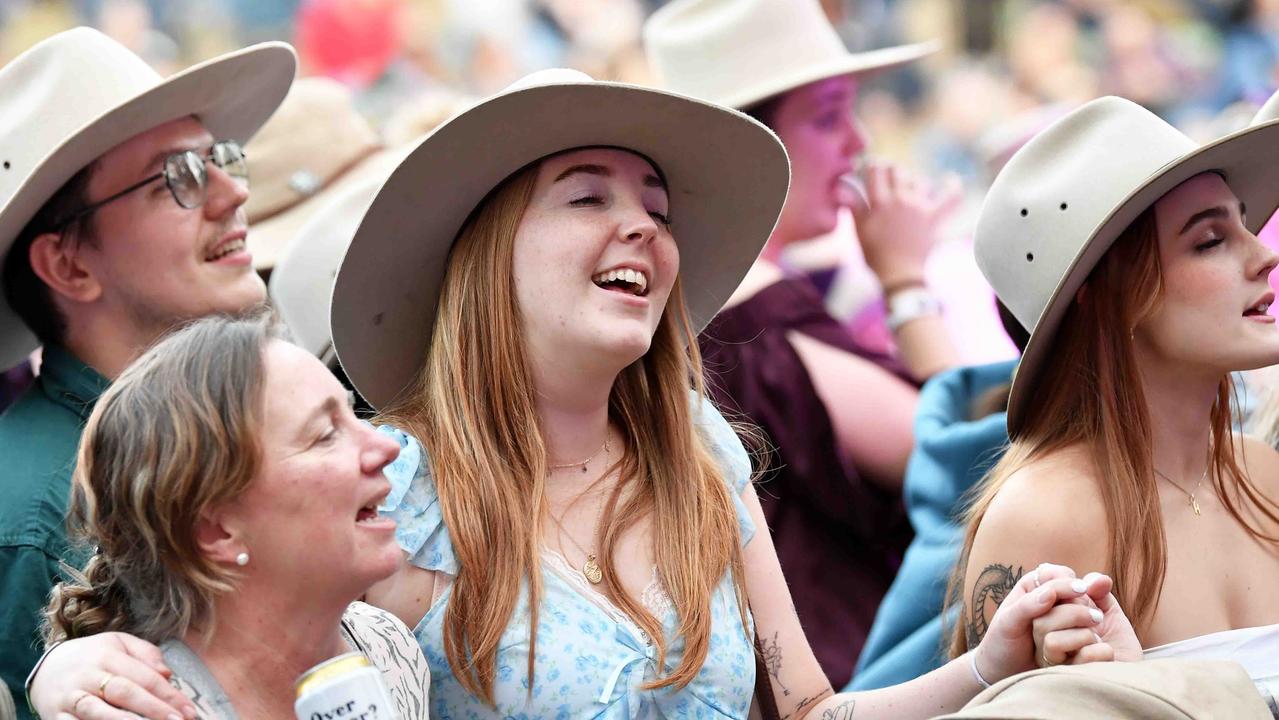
(654, 597)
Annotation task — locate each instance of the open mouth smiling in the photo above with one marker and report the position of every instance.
(624, 280)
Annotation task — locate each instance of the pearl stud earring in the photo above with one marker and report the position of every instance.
(242, 559)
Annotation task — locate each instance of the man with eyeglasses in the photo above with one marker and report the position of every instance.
(121, 215)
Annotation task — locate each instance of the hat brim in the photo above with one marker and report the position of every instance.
(852, 64)
(727, 176)
(232, 95)
(269, 237)
(1253, 176)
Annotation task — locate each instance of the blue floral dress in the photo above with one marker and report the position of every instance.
(591, 659)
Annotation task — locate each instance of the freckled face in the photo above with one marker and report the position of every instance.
(594, 258)
(1212, 316)
(309, 517)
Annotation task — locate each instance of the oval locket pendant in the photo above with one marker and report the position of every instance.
(592, 571)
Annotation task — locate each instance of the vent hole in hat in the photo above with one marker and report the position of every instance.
(1063, 206)
(1030, 257)
(1024, 212)
(6, 164)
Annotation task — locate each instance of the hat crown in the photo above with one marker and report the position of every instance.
(1058, 190)
(711, 48)
(294, 156)
(57, 87)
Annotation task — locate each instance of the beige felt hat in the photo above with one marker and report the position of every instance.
(71, 98)
(740, 52)
(315, 147)
(727, 178)
(301, 286)
(1063, 199)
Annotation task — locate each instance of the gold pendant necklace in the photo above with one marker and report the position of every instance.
(1194, 503)
(591, 570)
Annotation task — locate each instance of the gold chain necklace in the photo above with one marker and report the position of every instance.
(583, 463)
(590, 569)
(1194, 504)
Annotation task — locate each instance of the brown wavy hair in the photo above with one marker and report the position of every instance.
(473, 407)
(1090, 393)
(175, 434)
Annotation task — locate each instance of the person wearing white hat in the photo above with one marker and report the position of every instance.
(520, 301)
(291, 180)
(120, 195)
(1130, 254)
(838, 410)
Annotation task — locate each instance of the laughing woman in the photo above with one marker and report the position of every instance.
(582, 536)
(234, 526)
(1130, 253)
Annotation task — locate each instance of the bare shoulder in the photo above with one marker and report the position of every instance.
(1051, 503)
(1048, 511)
(1260, 461)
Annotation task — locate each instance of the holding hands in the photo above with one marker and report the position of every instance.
(1052, 618)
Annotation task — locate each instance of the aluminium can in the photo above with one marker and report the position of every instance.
(346, 687)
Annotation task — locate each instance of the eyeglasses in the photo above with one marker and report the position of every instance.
(186, 176)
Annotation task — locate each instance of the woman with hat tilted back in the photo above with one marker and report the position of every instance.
(838, 411)
(582, 536)
(1129, 252)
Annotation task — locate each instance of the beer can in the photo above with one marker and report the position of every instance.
(346, 687)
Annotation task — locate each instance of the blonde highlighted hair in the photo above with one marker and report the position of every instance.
(1089, 393)
(474, 409)
(175, 434)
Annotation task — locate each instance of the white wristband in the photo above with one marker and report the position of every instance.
(910, 304)
(972, 663)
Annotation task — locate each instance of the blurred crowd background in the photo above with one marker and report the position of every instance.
(1008, 67)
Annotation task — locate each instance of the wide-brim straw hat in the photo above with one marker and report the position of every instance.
(741, 52)
(727, 177)
(67, 101)
(1063, 199)
(312, 150)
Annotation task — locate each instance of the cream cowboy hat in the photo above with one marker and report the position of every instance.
(1063, 199)
(312, 150)
(68, 100)
(727, 177)
(740, 52)
(301, 285)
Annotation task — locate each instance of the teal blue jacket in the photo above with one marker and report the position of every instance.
(952, 453)
(38, 439)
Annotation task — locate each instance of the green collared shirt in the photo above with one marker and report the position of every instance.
(38, 439)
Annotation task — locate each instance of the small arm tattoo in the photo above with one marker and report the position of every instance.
(842, 711)
(772, 655)
(992, 586)
(808, 701)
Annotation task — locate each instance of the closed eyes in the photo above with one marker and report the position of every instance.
(592, 200)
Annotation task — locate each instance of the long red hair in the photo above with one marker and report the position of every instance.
(474, 410)
(1089, 393)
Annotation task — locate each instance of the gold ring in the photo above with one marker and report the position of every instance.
(1043, 655)
(75, 706)
(102, 686)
